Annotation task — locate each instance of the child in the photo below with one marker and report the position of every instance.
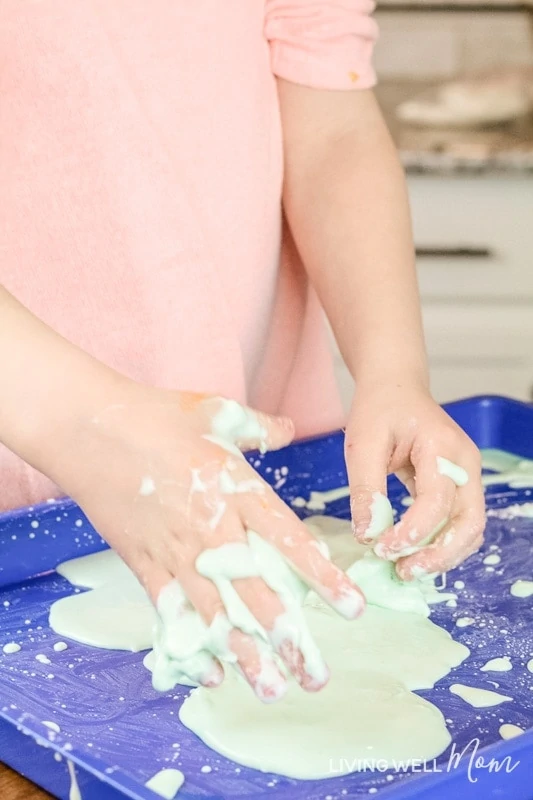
(141, 152)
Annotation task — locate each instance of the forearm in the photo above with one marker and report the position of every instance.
(47, 385)
(346, 203)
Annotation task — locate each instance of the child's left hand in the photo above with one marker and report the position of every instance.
(402, 430)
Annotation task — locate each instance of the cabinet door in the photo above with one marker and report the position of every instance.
(479, 350)
(454, 381)
(474, 236)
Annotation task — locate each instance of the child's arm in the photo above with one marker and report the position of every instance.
(160, 476)
(346, 203)
(49, 387)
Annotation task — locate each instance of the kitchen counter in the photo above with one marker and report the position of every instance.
(429, 150)
(15, 787)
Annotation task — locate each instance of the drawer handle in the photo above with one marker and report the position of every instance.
(454, 252)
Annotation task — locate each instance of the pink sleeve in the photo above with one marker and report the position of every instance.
(324, 44)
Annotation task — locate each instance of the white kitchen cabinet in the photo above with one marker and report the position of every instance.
(479, 349)
(474, 237)
(452, 381)
(474, 240)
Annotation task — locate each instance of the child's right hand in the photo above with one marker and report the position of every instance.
(160, 476)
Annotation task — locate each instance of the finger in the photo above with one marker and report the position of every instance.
(172, 662)
(279, 526)
(269, 597)
(407, 476)
(237, 635)
(458, 540)
(256, 609)
(249, 652)
(255, 662)
(367, 459)
(284, 618)
(147, 564)
(446, 556)
(287, 633)
(227, 421)
(435, 494)
(278, 433)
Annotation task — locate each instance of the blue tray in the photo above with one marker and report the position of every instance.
(106, 708)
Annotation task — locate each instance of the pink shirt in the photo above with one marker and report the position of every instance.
(140, 203)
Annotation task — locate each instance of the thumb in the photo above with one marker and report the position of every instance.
(277, 432)
(367, 459)
(246, 428)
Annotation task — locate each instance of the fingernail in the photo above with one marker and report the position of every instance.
(382, 551)
(350, 604)
(358, 529)
(286, 422)
(313, 684)
(270, 691)
(214, 678)
(415, 572)
(391, 553)
(293, 658)
(269, 684)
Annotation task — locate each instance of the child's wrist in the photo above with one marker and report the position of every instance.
(50, 437)
(393, 376)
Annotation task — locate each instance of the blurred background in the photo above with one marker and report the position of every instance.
(456, 87)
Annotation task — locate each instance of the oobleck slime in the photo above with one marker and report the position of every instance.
(375, 662)
(515, 471)
(362, 713)
(445, 467)
(379, 657)
(166, 783)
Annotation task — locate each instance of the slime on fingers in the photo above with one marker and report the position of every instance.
(445, 467)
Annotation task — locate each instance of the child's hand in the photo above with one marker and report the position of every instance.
(397, 429)
(161, 477)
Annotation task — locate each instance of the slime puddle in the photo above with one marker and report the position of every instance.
(376, 662)
(115, 615)
(522, 588)
(479, 698)
(510, 731)
(515, 471)
(362, 713)
(498, 665)
(318, 500)
(166, 783)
